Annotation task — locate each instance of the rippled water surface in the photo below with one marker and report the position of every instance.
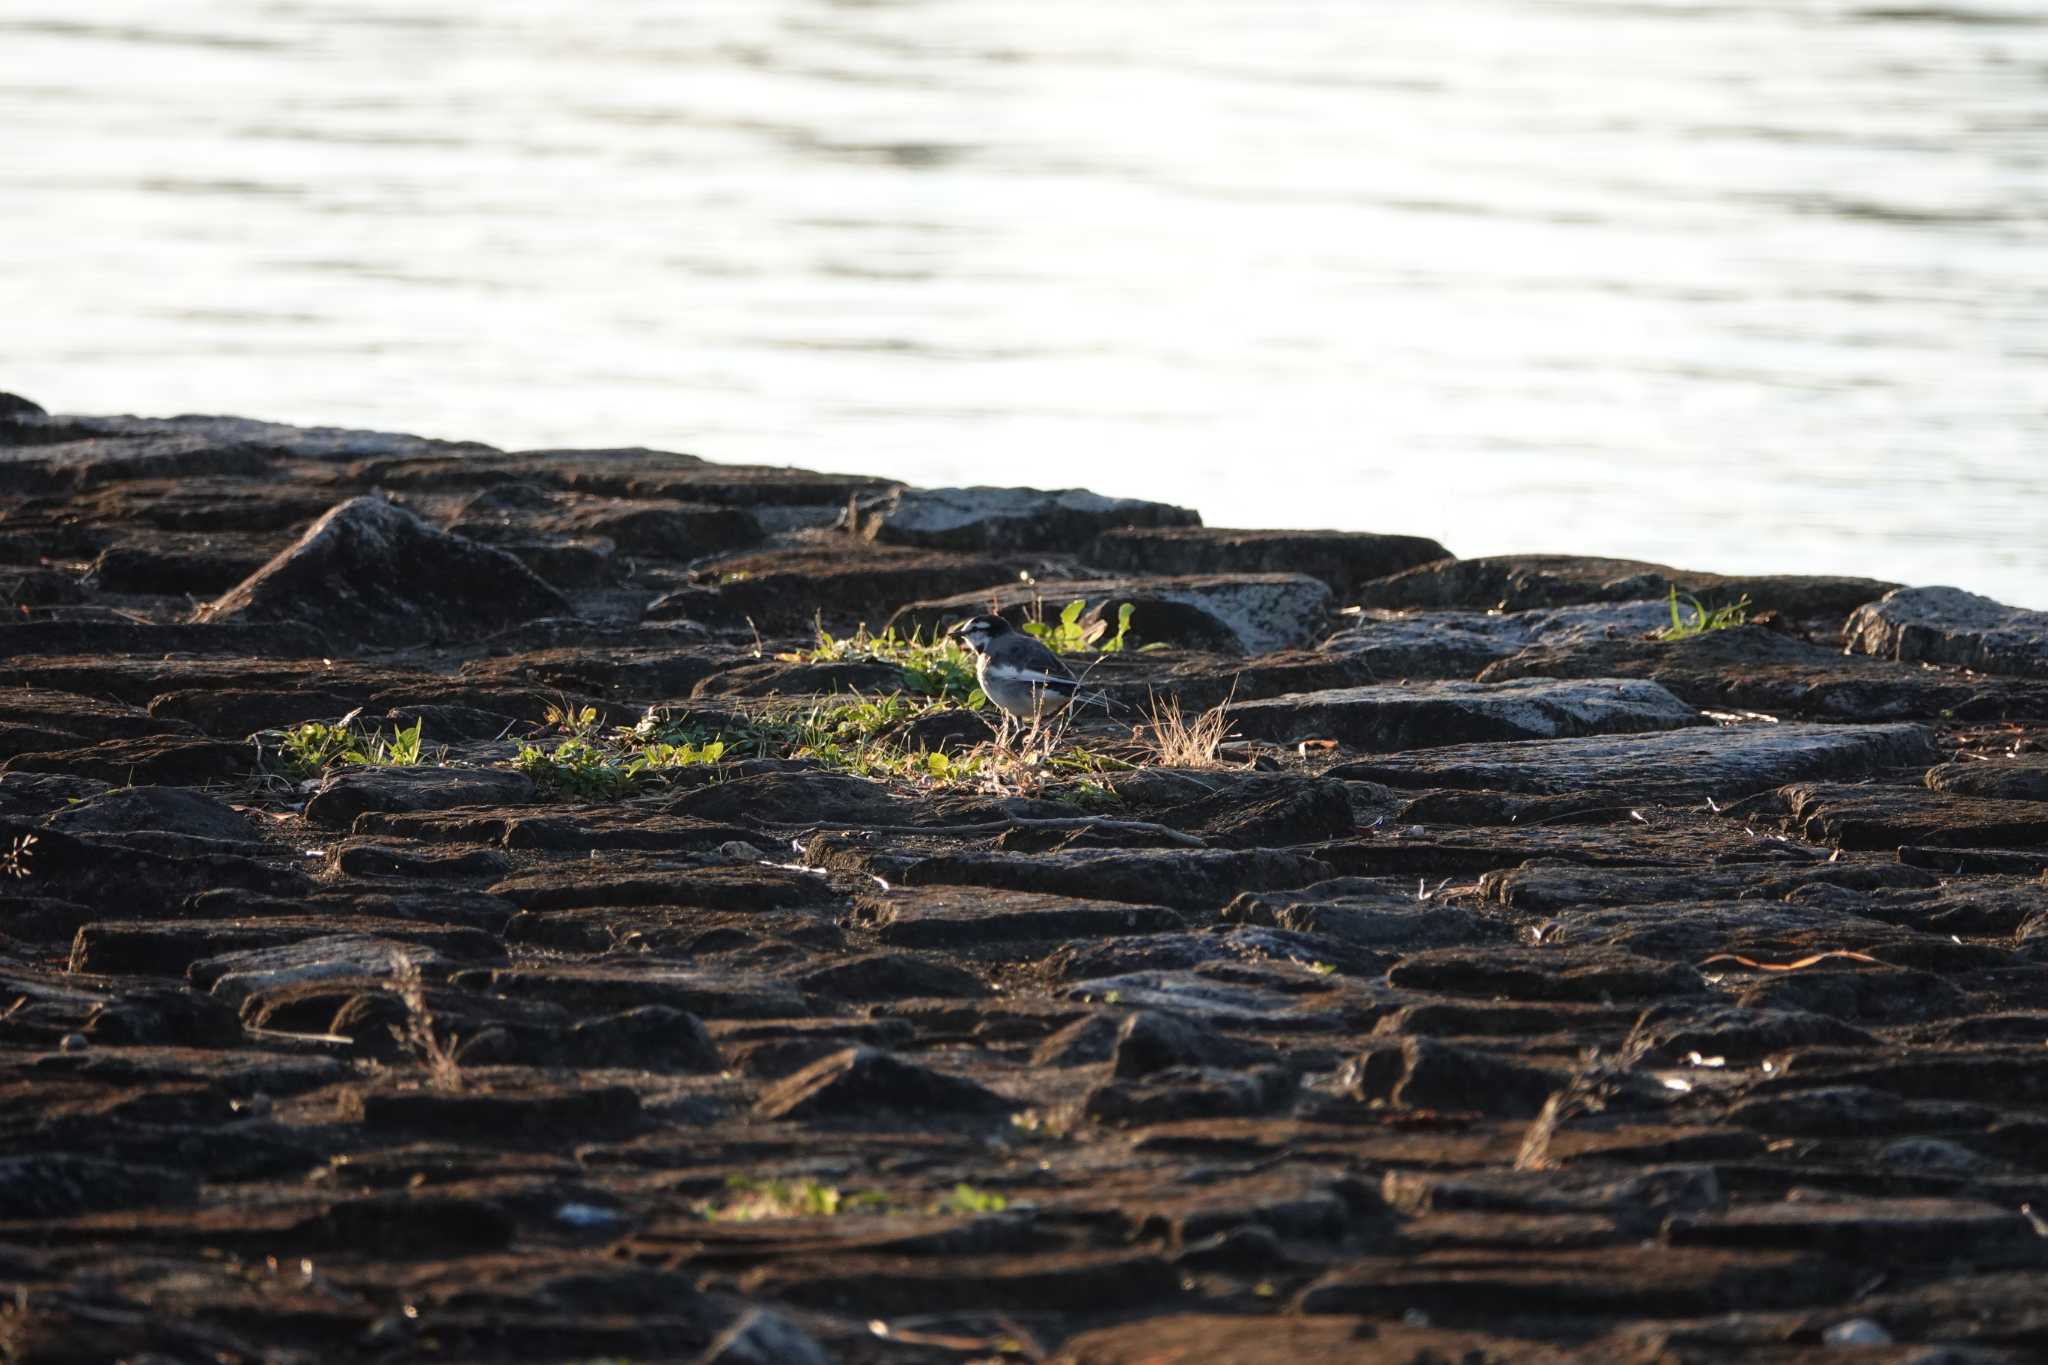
(1735, 286)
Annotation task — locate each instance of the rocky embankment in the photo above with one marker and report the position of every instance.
(454, 906)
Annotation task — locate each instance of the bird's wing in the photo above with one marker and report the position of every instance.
(1041, 659)
(1029, 676)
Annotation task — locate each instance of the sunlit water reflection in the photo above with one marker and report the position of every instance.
(1743, 287)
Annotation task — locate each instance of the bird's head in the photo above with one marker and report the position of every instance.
(978, 632)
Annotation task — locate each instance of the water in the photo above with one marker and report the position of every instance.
(1749, 287)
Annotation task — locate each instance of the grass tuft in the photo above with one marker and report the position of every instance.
(965, 1199)
(938, 668)
(311, 749)
(1702, 618)
(752, 1200)
(587, 764)
(417, 1032)
(1178, 742)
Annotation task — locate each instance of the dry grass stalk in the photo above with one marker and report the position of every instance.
(1178, 742)
(1591, 1085)
(417, 1033)
(1019, 756)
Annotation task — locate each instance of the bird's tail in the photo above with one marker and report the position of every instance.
(1110, 705)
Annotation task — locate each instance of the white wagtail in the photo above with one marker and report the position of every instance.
(1021, 676)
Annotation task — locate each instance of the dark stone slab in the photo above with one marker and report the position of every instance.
(1637, 1201)
(1183, 880)
(169, 759)
(1422, 715)
(1546, 889)
(1000, 519)
(1519, 582)
(171, 947)
(890, 976)
(1546, 974)
(60, 1184)
(1334, 1338)
(740, 886)
(238, 976)
(24, 592)
(1948, 625)
(120, 879)
(2018, 779)
(1867, 997)
(84, 461)
(1422, 1073)
(660, 528)
(861, 1082)
(1147, 1042)
(1342, 559)
(1756, 669)
(361, 858)
(1061, 1281)
(945, 916)
(1241, 810)
(608, 989)
(1684, 765)
(171, 809)
(1191, 1092)
(405, 1225)
(1365, 916)
(544, 1115)
(372, 573)
(789, 589)
(1922, 1229)
(1407, 645)
(1877, 816)
(1668, 1033)
(1980, 860)
(198, 566)
(343, 796)
(1486, 1285)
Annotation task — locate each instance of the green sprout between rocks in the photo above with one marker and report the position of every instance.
(589, 765)
(752, 1200)
(864, 736)
(851, 736)
(1071, 635)
(967, 1199)
(1703, 618)
(311, 749)
(937, 668)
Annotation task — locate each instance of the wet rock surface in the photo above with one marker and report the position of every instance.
(1399, 1027)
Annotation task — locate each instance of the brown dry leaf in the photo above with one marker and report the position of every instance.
(1790, 966)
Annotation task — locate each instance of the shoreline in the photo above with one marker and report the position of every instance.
(502, 905)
